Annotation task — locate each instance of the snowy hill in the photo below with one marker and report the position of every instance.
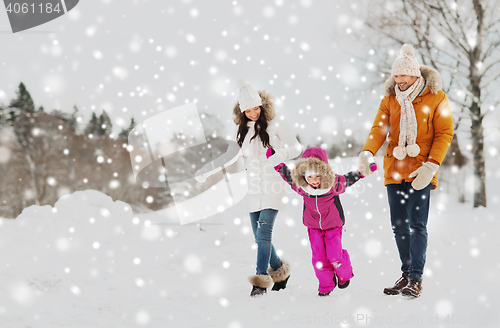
(90, 262)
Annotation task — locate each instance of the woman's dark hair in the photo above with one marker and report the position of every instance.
(260, 129)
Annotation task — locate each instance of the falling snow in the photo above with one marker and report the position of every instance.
(98, 264)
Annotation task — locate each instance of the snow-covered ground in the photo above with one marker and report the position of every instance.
(90, 262)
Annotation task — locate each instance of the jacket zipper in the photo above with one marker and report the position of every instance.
(317, 209)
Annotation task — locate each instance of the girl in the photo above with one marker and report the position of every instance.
(257, 130)
(314, 180)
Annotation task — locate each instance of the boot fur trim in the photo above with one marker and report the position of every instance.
(280, 273)
(261, 280)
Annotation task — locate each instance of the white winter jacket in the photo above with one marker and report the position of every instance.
(266, 188)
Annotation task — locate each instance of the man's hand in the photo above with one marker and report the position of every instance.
(424, 175)
(365, 160)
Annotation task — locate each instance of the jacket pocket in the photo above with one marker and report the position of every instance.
(388, 164)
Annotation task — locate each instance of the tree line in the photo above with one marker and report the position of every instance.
(45, 155)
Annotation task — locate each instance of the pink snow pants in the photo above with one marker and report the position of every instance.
(328, 257)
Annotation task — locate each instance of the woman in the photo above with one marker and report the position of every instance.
(258, 130)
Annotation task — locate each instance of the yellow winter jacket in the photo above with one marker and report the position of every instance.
(434, 129)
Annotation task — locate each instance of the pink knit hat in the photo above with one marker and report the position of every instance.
(316, 152)
(406, 64)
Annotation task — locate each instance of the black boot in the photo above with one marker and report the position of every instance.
(339, 285)
(280, 285)
(258, 291)
(324, 294)
(260, 283)
(280, 275)
(344, 285)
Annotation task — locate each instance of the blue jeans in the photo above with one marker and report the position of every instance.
(409, 212)
(262, 226)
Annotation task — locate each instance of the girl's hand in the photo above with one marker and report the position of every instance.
(366, 160)
(373, 168)
(270, 152)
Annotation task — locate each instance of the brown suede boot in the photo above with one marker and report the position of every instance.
(413, 289)
(398, 285)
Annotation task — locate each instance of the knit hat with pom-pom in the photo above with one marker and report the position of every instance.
(406, 64)
(248, 98)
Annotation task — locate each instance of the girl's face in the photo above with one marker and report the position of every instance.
(314, 180)
(253, 114)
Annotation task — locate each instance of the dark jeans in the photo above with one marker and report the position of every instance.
(409, 212)
(262, 226)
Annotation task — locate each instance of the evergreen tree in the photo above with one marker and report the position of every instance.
(105, 125)
(99, 127)
(125, 132)
(2, 115)
(93, 126)
(22, 110)
(71, 119)
(21, 105)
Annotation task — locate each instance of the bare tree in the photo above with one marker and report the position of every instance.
(459, 38)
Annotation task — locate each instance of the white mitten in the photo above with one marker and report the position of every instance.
(424, 175)
(365, 159)
(276, 159)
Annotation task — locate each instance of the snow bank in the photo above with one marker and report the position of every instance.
(89, 261)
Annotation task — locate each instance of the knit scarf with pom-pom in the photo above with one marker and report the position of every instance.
(408, 121)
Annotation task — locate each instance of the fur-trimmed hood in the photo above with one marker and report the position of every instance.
(313, 159)
(267, 106)
(433, 80)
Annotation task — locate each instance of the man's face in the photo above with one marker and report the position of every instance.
(404, 81)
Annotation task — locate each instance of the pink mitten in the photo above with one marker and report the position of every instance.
(373, 168)
(269, 153)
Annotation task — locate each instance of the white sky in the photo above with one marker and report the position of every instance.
(127, 56)
(187, 50)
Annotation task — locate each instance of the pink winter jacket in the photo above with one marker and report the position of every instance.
(322, 206)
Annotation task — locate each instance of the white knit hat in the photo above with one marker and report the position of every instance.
(406, 64)
(248, 98)
(309, 173)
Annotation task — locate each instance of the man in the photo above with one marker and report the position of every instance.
(416, 114)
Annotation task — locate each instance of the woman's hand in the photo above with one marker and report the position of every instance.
(270, 153)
